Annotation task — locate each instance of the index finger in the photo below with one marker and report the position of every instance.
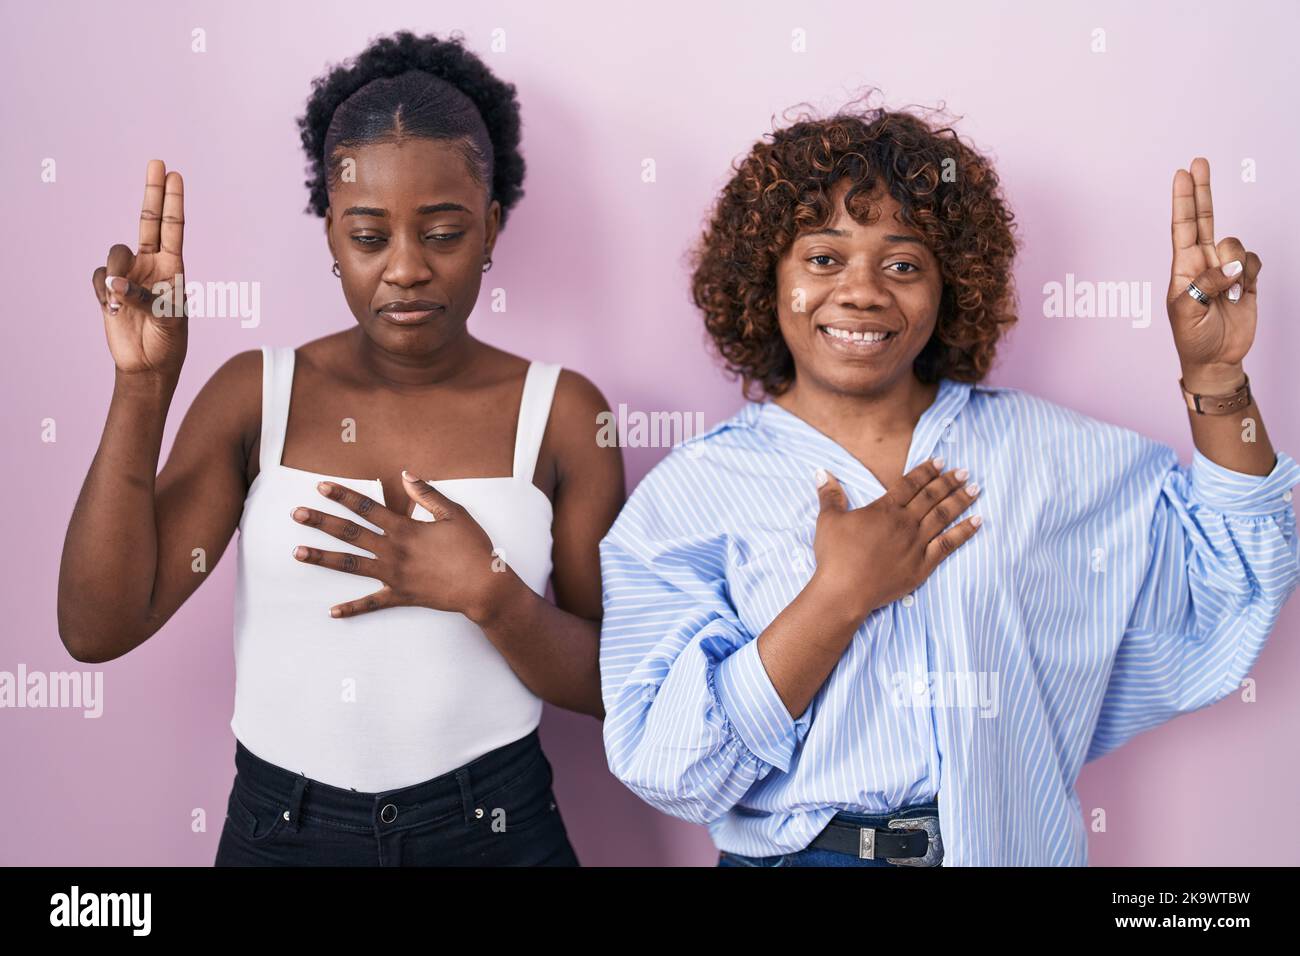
(360, 504)
(151, 210)
(907, 487)
(1204, 209)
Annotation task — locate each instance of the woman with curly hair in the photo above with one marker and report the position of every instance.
(812, 644)
(392, 643)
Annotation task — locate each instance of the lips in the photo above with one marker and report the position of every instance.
(857, 339)
(408, 311)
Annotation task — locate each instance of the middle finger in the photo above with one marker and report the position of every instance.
(935, 491)
(948, 510)
(350, 563)
(345, 529)
(1200, 171)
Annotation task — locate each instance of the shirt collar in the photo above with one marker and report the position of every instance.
(796, 435)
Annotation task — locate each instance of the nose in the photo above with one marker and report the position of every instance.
(861, 286)
(406, 265)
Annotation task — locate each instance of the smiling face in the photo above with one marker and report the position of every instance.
(413, 229)
(857, 303)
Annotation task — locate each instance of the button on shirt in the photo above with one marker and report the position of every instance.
(1110, 589)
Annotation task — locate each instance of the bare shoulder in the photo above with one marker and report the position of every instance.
(230, 403)
(577, 400)
(574, 427)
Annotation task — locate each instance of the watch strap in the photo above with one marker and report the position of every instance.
(1217, 404)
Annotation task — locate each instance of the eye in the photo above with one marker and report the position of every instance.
(446, 236)
(367, 240)
(912, 268)
(813, 260)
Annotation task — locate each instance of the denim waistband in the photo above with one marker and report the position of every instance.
(458, 792)
(881, 820)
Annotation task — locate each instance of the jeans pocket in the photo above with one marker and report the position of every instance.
(255, 819)
(524, 802)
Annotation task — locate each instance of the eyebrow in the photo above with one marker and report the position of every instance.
(422, 210)
(844, 233)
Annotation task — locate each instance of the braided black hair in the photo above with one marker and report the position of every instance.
(409, 86)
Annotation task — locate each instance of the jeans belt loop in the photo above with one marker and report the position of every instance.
(466, 794)
(294, 814)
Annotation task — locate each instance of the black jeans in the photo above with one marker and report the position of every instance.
(498, 810)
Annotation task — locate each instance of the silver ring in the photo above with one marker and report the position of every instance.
(1197, 294)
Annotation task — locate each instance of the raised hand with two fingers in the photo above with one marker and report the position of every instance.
(142, 294)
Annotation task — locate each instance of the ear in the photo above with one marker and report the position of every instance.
(329, 238)
(492, 225)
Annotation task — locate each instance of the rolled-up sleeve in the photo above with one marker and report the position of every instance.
(1223, 562)
(692, 719)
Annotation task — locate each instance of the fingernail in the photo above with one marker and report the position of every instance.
(938, 463)
(976, 521)
(293, 513)
(1235, 292)
(297, 549)
(322, 487)
(408, 476)
(1232, 268)
(821, 476)
(114, 308)
(961, 474)
(111, 281)
(972, 489)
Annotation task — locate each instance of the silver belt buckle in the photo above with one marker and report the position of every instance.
(934, 847)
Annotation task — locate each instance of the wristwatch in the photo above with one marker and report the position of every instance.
(1218, 404)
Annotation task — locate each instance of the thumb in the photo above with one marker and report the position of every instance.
(829, 492)
(435, 502)
(1217, 279)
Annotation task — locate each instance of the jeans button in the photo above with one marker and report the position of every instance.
(388, 814)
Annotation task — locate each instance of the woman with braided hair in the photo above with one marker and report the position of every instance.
(392, 643)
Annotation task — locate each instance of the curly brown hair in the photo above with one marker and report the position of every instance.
(948, 192)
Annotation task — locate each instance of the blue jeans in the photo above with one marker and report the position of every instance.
(498, 810)
(815, 856)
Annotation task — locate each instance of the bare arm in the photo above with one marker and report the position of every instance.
(129, 559)
(556, 650)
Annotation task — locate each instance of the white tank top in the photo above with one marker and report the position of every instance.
(393, 697)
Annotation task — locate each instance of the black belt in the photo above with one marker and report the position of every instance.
(908, 841)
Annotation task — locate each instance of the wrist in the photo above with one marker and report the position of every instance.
(501, 593)
(847, 604)
(144, 384)
(1217, 378)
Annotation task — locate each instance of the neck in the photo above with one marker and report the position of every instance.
(891, 410)
(395, 370)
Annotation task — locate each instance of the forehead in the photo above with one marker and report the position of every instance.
(885, 209)
(411, 169)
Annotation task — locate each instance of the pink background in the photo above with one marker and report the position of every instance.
(1086, 145)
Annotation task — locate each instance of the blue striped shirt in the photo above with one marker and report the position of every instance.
(1109, 590)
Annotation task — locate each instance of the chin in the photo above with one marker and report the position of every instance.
(415, 339)
(859, 378)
